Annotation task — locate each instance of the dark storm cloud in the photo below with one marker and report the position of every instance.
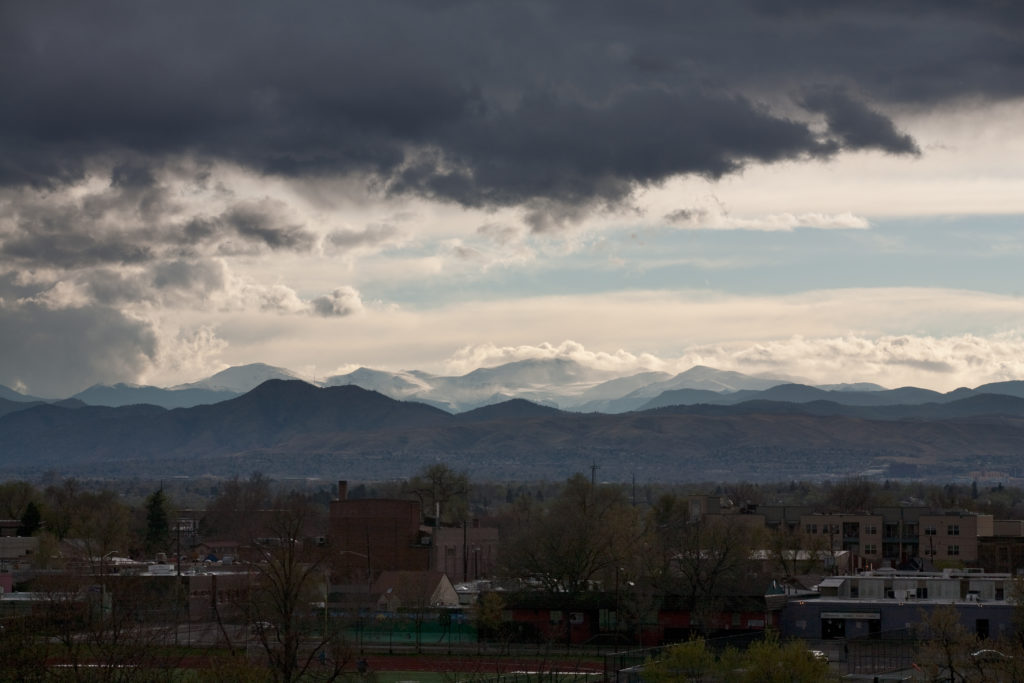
(135, 220)
(482, 103)
(856, 125)
(57, 352)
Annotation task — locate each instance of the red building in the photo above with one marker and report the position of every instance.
(373, 535)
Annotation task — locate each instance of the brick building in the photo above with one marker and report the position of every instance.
(373, 535)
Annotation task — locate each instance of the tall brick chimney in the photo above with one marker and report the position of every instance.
(342, 489)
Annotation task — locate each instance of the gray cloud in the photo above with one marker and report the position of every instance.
(937, 366)
(176, 282)
(264, 222)
(373, 235)
(189, 275)
(500, 234)
(49, 351)
(341, 302)
(484, 104)
(134, 220)
(685, 215)
(64, 248)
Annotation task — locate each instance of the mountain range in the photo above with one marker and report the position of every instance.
(558, 383)
(292, 428)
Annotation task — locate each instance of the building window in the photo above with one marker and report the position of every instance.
(953, 550)
(953, 530)
(811, 528)
(929, 530)
(870, 549)
(870, 530)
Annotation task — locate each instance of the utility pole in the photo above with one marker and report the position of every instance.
(594, 467)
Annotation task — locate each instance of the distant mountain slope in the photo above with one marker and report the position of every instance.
(711, 379)
(1012, 388)
(241, 378)
(11, 395)
(394, 384)
(273, 412)
(514, 409)
(9, 406)
(800, 393)
(547, 381)
(698, 378)
(984, 405)
(601, 398)
(128, 394)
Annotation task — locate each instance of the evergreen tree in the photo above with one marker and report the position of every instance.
(31, 520)
(158, 529)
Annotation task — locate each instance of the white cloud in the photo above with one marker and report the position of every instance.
(185, 355)
(972, 163)
(893, 361)
(933, 338)
(714, 216)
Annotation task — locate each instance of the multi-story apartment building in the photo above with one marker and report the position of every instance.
(953, 536)
(898, 534)
(893, 536)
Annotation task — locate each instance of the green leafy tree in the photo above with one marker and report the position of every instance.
(767, 661)
(946, 644)
(772, 661)
(689, 661)
(487, 615)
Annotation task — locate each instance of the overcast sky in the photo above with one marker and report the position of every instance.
(833, 191)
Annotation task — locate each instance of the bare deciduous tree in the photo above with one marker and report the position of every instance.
(290, 577)
(581, 536)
